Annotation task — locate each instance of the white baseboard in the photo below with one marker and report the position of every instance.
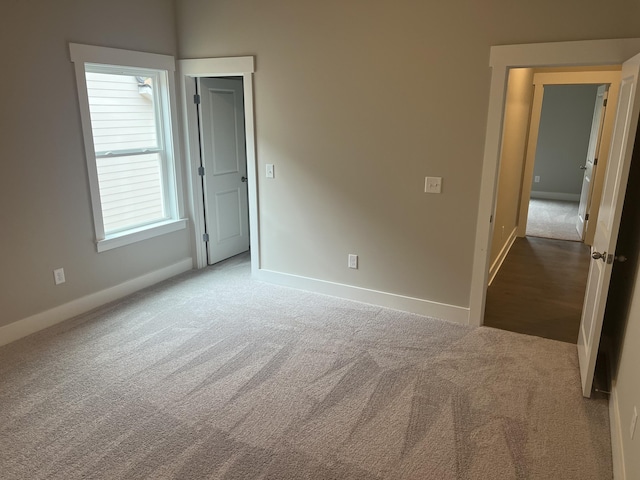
(39, 321)
(495, 267)
(428, 308)
(569, 197)
(619, 472)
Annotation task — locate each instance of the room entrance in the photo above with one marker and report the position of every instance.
(608, 223)
(550, 164)
(220, 143)
(223, 166)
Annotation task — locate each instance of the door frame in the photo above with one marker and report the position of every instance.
(189, 70)
(501, 59)
(540, 80)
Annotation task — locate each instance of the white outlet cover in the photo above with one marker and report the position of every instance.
(353, 261)
(433, 184)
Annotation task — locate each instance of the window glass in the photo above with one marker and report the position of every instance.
(127, 137)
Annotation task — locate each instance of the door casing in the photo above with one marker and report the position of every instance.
(217, 67)
(501, 59)
(611, 78)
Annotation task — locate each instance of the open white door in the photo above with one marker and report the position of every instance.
(222, 138)
(608, 223)
(590, 165)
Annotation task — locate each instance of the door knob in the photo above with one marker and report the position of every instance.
(599, 256)
(244, 179)
(582, 167)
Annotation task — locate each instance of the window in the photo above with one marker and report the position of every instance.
(128, 133)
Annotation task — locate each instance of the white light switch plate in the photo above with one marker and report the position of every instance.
(269, 170)
(58, 276)
(433, 184)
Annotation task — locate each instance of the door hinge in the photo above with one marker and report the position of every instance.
(205, 237)
(196, 99)
(595, 161)
(201, 171)
(586, 217)
(491, 219)
(604, 103)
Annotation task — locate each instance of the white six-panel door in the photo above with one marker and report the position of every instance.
(608, 223)
(222, 139)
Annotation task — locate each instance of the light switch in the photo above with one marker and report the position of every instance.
(269, 170)
(433, 184)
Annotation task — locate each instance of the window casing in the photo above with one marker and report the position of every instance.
(125, 99)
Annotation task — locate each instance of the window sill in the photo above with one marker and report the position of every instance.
(138, 234)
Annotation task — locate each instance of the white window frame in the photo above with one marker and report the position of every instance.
(81, 55)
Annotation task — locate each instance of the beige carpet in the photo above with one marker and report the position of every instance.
(214, 375)
(553, 219)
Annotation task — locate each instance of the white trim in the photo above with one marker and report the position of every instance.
(567, 197)
(617, 453)
(495, 267)
(419, 306)
(141, 233)
(592, 52)
(27, 326)
(218, 67)
(173, 195)
(115, 56)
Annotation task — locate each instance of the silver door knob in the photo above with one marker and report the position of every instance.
(244, 179)
(599, 256)
(582, 167)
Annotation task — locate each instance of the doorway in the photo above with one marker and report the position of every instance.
(190, 71)
(564, 165)
(595, 52)
(537, 276)
(569, 137)
(223, 166)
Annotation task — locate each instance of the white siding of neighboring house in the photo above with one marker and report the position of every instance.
(123, 118)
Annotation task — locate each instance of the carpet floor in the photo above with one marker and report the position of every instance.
(553, 219)
(213, 375)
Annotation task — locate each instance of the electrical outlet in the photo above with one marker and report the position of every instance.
(432, 184)
(536, 179)
(353, 261)
(634, 420)
(58, 276)
(269, 170)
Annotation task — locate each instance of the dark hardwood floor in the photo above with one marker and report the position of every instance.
(539, 290)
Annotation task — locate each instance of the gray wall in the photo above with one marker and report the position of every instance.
(356, 102)
(563, 138)
(517, 113)
(46, 219)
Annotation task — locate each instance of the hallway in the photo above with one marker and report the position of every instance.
(539, 289)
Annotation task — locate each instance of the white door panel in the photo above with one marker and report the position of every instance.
(229, 226)
(225, 167)
(608, 222)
